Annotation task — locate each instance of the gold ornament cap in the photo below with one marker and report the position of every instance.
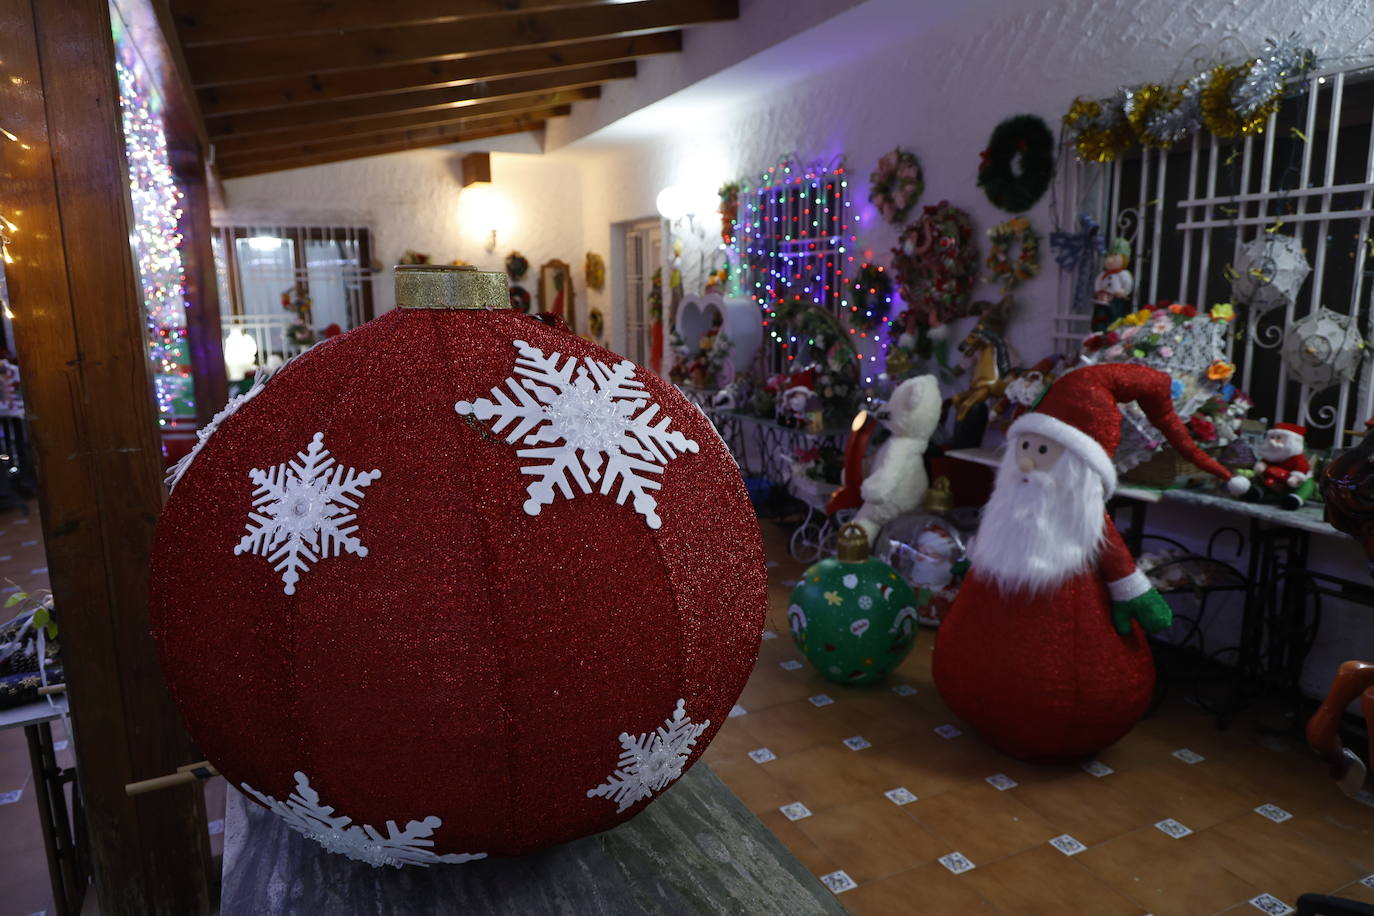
(853, 544)
(939, 498)
(444, 286)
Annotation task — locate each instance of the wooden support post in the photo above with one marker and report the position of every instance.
(80, 334)
(203, 335)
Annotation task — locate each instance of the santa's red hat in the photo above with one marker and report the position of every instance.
(1295, 429)
(1080, 413)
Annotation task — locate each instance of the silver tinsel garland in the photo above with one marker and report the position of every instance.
(1280, 62)
(1170, 125)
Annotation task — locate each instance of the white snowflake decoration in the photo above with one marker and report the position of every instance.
(303, 512)
(648, 763)
(304, 814)
(597, 421)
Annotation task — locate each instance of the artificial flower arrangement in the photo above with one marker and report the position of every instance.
(1189, 345)
(297, 302)
(822, 463)
(700, 365)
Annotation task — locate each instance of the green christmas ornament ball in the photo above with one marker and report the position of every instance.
(852, 615)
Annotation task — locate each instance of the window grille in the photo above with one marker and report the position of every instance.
(643, 252)
(1188, 211)
(256, 264)
(796, 240)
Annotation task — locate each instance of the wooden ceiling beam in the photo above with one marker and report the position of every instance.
(214, 65)
(320, 154)
(326, 87)
(344, 110)
(209, 22)
(347, 130)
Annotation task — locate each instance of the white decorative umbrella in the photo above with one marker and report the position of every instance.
(1269, 272)
(1323, 349)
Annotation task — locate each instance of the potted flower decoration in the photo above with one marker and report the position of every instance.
(1190, 345)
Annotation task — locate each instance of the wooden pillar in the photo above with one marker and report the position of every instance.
(88, 392)
(202, 290)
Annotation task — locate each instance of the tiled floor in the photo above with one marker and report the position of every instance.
(1123, 863)
(892, 851)
(24, 885)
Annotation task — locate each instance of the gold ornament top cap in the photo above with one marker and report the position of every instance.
(939, 498)
(444, 286)
(853, 544)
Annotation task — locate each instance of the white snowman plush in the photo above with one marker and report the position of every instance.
(897, 482)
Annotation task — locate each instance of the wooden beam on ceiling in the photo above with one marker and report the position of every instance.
(345, 110)
(435, 74)
(280, 57)
(347, 130)
(320, 154)
(208, 22)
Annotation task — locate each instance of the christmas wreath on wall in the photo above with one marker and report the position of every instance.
(870, 297)
(729, 211)
(936, 262)
(595, 270)
(517, 265)
(895, 186)
(1002, 268)
(1023, 141)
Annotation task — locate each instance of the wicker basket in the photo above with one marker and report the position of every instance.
(1163, 469)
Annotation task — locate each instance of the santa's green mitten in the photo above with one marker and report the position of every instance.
(1149, 608)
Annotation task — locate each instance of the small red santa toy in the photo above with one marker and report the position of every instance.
(1043, 652)
(1282, 468)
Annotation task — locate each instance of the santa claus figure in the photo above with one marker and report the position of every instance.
(1043, 652)
(1282, 469)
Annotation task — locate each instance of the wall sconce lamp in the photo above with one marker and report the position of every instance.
(486, 211)
(675, 201)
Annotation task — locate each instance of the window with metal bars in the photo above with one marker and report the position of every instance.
(330, 266)
(1190, 212)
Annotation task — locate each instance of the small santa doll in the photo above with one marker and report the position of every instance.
(1113, 287)
(1282, 468)
(1043, 652)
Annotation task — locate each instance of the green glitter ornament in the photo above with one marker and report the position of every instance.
(852, 615)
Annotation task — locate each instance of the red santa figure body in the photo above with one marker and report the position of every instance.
(1043, 652)
(1283, 469)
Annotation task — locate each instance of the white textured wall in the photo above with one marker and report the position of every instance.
(883, 72)
(413, 200)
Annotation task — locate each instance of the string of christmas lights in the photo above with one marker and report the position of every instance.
(796, 236)
(156, 242)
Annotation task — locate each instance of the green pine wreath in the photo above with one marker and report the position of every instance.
(1026, 136)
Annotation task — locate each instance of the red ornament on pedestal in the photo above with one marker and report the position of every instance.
(456, 583)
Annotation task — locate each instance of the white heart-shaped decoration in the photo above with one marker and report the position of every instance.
(695, 318)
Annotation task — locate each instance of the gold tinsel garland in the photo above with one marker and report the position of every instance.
(1228, 100)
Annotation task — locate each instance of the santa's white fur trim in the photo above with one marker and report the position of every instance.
(1238, 485)
(1040, 527)
(1073, 439)
(1128, 587)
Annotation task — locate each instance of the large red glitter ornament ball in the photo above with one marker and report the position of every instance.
(457, 583)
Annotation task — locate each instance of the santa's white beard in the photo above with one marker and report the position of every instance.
(1040, 527)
